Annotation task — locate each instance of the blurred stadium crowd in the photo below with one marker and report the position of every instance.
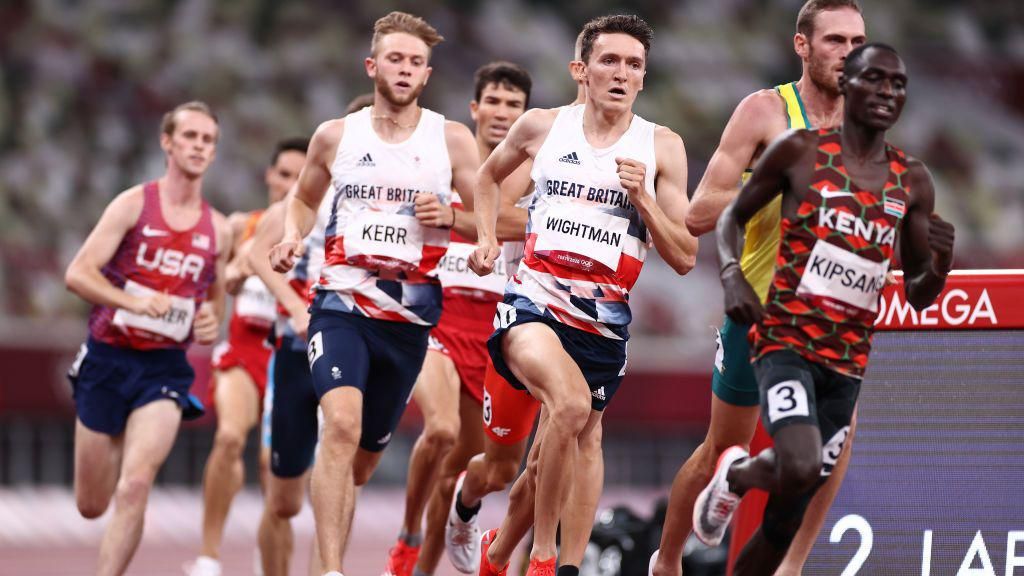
(83, 85)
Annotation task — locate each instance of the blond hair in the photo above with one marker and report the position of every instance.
(407, 23)
(170, 119)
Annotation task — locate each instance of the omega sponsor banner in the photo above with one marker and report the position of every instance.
(934, 487)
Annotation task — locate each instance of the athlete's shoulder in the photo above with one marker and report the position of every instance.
(918, 175)
(534, 124)
(665, 136)
(761, 111)
(791, 146)
(127, 205)
(454, 130)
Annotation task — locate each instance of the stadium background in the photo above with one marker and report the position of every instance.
(83, 85)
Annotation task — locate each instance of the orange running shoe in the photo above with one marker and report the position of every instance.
(401, 560)
(541, 567)
(485, 566)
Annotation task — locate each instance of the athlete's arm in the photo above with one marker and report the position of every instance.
(755, 121)
(770, 177)
(207, 321)
(664, 214)
(237, 222)
(310, 189)
(84, 275)
(465, 161)
(926, 241)
(522, 142)
(269, 232)
(511, 218)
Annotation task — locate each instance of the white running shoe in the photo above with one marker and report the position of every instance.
(715, 504)
(462, 539)
(654, 560)
(203, 566)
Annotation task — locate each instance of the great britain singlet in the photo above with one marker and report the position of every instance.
(380, 262)
(585, 241)
(832, 262)
(762, 231)
(153, 258)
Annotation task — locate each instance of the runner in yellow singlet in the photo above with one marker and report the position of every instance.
(827, 30)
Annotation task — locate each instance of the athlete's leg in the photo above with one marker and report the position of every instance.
(97, 464)
(521, 503)
(238, 409)
(536, 357)
(491, 471)
(470, 441)
(148, 438)
(331, 484)
(817, 510)
(276, 538)
(730, 426)
(581, 506)
(437, 395)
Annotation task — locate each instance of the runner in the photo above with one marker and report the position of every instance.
(153, 270)
(847, 195)
(391, 168)
(563, 325)
(449, 390)
(240, 365)
(826, 32)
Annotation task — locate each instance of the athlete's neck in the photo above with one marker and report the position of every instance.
(824, 109)
(394, 122)
(603, 127)
(862, 143)
(181, 189)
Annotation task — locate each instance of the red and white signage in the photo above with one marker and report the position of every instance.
(971, 300)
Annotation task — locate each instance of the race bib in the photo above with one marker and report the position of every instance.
(842, 276)
(454, 272)
(255, 303)
(175, 325)
(380, 240)
(587, 240)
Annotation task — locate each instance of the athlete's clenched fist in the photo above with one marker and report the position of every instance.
(632, 176)
(482, 259)
(940, 239)
(285, 254)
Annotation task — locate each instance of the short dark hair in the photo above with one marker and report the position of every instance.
(855, 59)
(501, 73)
(289, 145)
(359, 102)
(810, 10)
(170, 120)
(630, 24)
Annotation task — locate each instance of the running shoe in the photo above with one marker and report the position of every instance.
(485, 567)
(462, 539)
(401, 559)
(715, 504)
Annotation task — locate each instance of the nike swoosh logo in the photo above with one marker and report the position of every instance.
(826, 193)
(151, 232)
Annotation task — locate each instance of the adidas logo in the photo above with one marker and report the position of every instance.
(366, 161)
(599, 393)
(570, 158)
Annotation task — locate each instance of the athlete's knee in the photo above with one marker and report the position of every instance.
(362, 472)
(500, 474)
(441, 436)
(570, 413)
(230, 441)
(285, 505)
(133, 490)
(341, 429)
(91, 506)
(799, 473)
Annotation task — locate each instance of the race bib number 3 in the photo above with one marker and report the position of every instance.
(787, 399)
(380, 240)
(175, 325)
(841, 275)
(587, 240)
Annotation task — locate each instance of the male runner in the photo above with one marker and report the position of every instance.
(508, 413)
(240, 365)
(153, 268)
(847, 195)
(826, 32)
(449, 390)
(391, 168)
(563, 325)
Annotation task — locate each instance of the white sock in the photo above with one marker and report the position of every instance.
(333, 573)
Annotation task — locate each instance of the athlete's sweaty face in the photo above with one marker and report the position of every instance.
(836, 33)
(876, 89)
(193, 144)
(615, 70)
(499, 106)
(283, 173)
(400, 67)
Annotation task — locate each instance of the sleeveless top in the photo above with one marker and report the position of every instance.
(379, 261)
(585, 241)
(762, 231)
(832, 261)
(152, 258)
